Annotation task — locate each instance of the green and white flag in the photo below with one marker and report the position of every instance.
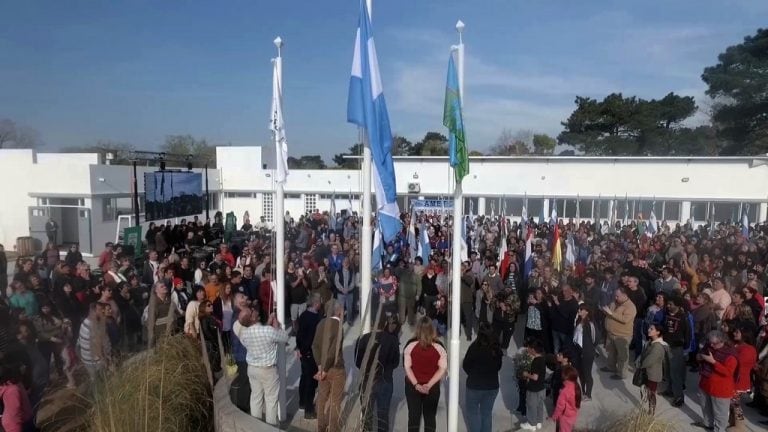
(452, 119)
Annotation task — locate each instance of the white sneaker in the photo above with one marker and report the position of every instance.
(527, 426)
(538, 426)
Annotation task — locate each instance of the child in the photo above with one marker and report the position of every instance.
(68, 354)
(562, 360)
(569, 401)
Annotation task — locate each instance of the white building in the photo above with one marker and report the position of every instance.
(86, 197)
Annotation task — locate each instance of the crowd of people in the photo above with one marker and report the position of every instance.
(656, 303)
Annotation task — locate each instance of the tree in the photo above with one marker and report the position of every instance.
(401, 146)
(433, 144)
(620, 125)
(738, 84)
(120, 151)
(14, 136)
(306, 162)
(475, 153)
(346, 163)
(201, 152)
(510, 144)
(543, 144)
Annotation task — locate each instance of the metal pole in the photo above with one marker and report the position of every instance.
(280, 253)
(207, 196)
(458, 204)
(136, 221)
(367, 232)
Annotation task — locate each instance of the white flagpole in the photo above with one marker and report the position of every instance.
(280, 252)
(458, 203)
(367, 234)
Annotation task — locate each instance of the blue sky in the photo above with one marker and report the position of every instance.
(135, 71)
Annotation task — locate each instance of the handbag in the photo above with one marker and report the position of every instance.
(640, 377)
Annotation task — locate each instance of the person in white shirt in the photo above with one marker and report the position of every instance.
(261, 342)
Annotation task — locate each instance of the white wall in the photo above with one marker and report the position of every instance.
(14, 213)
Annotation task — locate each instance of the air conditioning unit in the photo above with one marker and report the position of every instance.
(414, 188)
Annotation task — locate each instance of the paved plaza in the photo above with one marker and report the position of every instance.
(611, 398)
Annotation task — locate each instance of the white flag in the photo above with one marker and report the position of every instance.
(277, 124)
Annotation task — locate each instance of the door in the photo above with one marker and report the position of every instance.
(84, 230)
(38, 216)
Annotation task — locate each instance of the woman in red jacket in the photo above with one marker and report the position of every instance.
(747, 355)
(717, 371)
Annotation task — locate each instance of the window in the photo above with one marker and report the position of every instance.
(111, 208)
(585, 209)
(670, 210)
(238, 195)
(310, 203)
(569, 210)
(470, 206)
(268, 206)
(535, 207)
(699, 210)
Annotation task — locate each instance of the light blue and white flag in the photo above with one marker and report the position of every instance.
(424, 248)
(464, 248)
(413, 244)
(652, 223)
(376, 264)
(367, 108)
(524, 219)
(333, 207)
(553, 216)
(745, 222)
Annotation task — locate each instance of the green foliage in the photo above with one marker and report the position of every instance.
(346, 163)
(511, 144)
(620, 125)
(202, 153)
(476, 153)
(433, 144)
(306, 162)
(401, 146)
(543, 144)
(739, 86)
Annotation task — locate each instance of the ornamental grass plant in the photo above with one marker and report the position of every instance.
(165, 389)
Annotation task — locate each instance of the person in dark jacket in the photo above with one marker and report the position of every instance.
(562, 314)
(482, 364)
(677, 334)
(383, 356)
(468, 299)
(305, 334)
(585, 340)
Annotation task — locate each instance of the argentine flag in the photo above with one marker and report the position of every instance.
(553, 217)
(376, 264)
(464, 247)
(652, 228)
(412, 243)
(366, 108)
(424, 247)
(745, 222)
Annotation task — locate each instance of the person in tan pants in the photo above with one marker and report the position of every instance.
(619, 324)
(331, 376)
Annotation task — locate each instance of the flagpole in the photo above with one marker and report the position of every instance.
(367, 233)
(280, 252)
(458, 203)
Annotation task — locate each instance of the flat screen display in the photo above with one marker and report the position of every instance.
(170, 194)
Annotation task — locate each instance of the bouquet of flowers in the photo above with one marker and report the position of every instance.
(522, 361)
